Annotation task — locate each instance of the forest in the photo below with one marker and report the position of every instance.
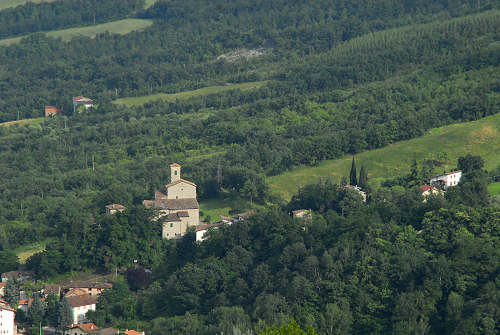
(341, 77)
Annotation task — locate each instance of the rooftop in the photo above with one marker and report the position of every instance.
(85, 284)
(81, 300)
(115, 206)
(172, 204)
(86, 327)
(180, 181)
(175, 165)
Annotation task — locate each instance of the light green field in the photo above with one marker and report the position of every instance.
(22, 122)
(494, 188)
(13, 3)
(478, 138)
(149, 3)
(26, 251)
(214, 208)
(138, 101)
(117, 27)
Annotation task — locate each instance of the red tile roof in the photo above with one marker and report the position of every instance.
(86, 327)
(132, 332)
(180, 181)
(175, 165)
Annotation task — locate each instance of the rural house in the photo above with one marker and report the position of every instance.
(114, 208)
(81, 329)
(446, 180)
(80, 305)
(52, 110)
(93, 289)
(82, 101)
(177, 204)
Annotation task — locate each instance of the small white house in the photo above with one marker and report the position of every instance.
(7, 315)
(80, 305)
(447, 180)
(201, 230)
(82, 101)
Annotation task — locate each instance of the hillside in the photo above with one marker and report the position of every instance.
(480, 137)
(116, 27)
(13, 3)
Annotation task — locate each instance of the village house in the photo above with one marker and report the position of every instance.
(133, 332)
(21, 276)
(52, 289)
(177, 205)
(90, 288)
(80, 305)
(52, 110)
(2, 289)
(82, 101)
(240, 217)
(201, 230)
(446, 180)
(305, 215)
(24, 304)
(114, 208)
(81, 329)
(7, 316)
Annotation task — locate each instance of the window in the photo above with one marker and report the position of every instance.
(177, 197)
(175, 172)
(171, 225)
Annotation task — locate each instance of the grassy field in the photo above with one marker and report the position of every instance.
(149, 3)
(478, 138)
(22, 122)
(13, 3)
(25, 251)
(494, 188)
(214, 208)
(117, 27)
(137, 101)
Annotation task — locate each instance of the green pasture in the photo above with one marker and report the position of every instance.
(13, 3)
(173, 97)
(26, 251)
(116, 27)
(22, 122)
(478, 138)
(494, 188)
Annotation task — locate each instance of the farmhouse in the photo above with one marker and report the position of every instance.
(114, 208)
(177, 205)
(51, 111)
(80, 305)
(82, 101)
(93, 289)
(81, 329)
(447, 180)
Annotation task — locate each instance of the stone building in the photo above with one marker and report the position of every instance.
(177, 205)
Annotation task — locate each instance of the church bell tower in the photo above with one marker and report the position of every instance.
(175, 172)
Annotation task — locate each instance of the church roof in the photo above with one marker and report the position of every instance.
(175, 165)
(180, 181)
(172, 204)
(172, 217)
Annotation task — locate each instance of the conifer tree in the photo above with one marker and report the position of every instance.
(363, 177)
(352, 177)
(65, 316)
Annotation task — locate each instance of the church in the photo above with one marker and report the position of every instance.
(177, 204)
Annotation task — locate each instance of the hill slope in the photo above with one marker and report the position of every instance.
(478, 137)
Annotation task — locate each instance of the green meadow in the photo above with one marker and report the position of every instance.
(13, 3)
(173, 97)
(22, 122)
(116, 27)
(494, 188)
(478, 138)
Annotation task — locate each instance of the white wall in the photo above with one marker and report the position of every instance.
(79, 313)
(7, 322)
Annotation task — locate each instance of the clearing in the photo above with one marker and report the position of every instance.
(13, 3)
(22, 122)
(173, 97)
(26, 251)
(121, 27)
(494, 188)
(480, 137)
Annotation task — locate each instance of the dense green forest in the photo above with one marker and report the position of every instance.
(341, 77)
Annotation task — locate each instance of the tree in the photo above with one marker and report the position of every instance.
(363, 177)
(249, 190)
(343, 181)
(37, 310)
(65, 315)
(138, 277)
(12, 291)
(470, 163)
(352, 177)
(292, 328)
(8, 261)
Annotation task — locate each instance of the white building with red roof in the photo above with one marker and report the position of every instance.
(82, 101)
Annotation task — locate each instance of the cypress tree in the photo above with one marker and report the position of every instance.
(363, 177)
(352, 178)
(65, 316)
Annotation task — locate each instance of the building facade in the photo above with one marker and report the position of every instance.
(177, 205)
(447, 180)
(80, 305)
(7, 316)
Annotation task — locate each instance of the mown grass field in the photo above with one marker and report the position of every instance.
(478, 138)
(26, 251)
(494, 188)
(117, 27)
(13, 3)
(138, 101)
(22, 122)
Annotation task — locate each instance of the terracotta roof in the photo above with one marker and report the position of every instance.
(106, 331)
(172, 204)
(76, 291)
(425, 188)
(81, 300)
(4, 305)
(2, 285)
(55, 289)
(160, 195)
(82, 98)
(86, 327)
(180, 181)
(115, 206)
(132, 332)
(175, 165)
